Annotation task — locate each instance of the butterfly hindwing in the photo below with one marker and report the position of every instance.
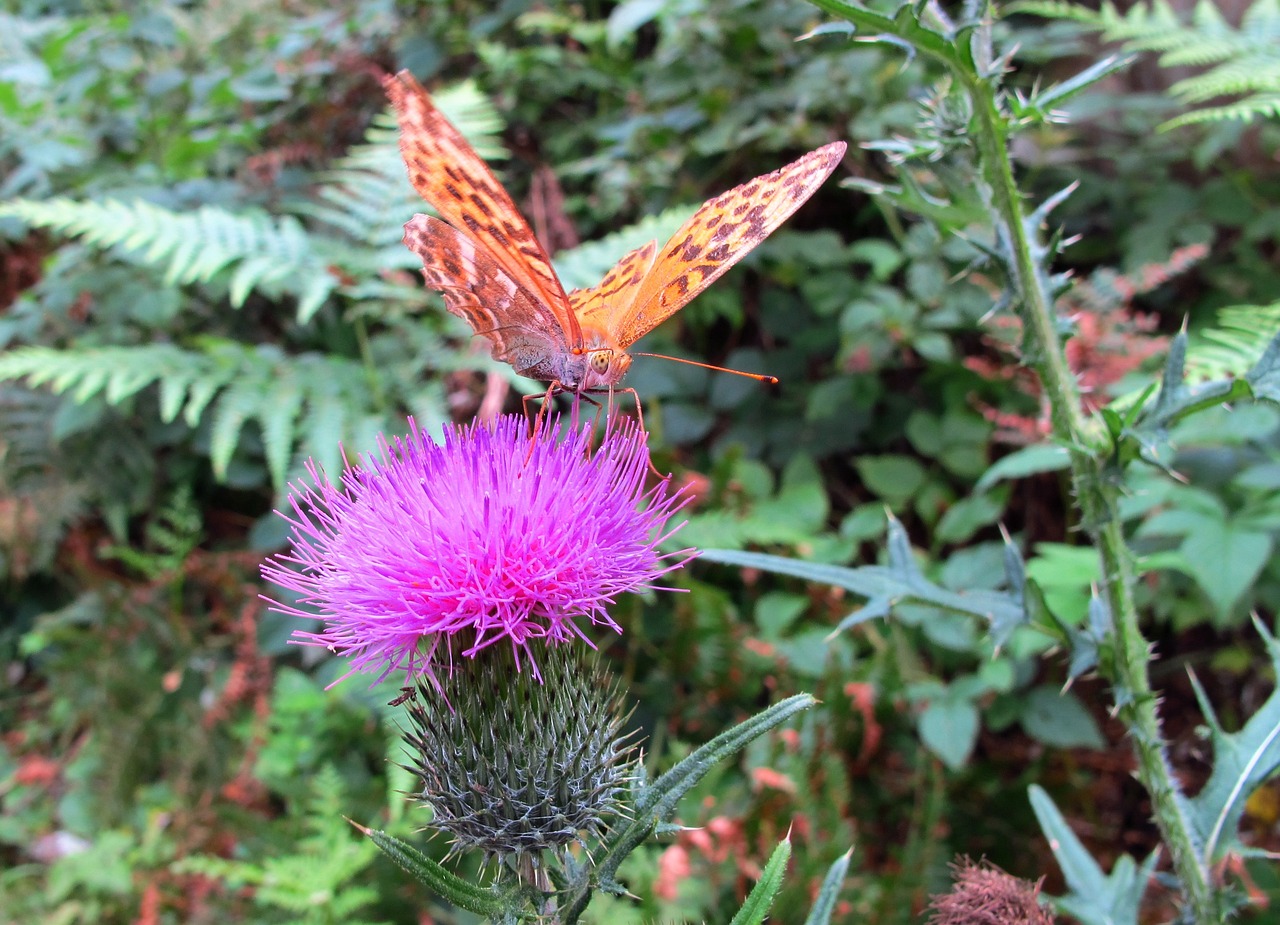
(718, 235)
(616, 292)
(479, 290)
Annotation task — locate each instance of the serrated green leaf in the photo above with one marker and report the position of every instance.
(277, 418)
(898, 582)
(450, 886)
(905, 29)
(1059, 93)
(1242, 761)
(656, 803)
(829, 892)
(660, 798)
(235, 406)
(756, 906)
(1095, 898)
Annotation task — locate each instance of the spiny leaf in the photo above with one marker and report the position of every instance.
(1095, 898)
(825, 904)
(885, 585)
(450, 886)
(756, 906)
(1242, 761)
(656, 802)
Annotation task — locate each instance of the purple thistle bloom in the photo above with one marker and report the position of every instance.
(487, 535)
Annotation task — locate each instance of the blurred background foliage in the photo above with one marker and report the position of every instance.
(202, 285)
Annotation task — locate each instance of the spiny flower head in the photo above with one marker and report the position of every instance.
(516, 767)
(487, 536)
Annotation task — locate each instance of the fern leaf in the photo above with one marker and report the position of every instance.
(236, 405)
(1235, 344)
(1243, 111)
(1228, 80)
(304, 405)
(278, 418)
(195, 247)
(1247, 59)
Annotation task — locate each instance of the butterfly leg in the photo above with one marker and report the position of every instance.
(639, 421)
(581, 397)
(535, 421)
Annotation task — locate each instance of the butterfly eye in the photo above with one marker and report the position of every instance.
(600, 360)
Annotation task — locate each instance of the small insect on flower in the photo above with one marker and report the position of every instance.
(472, 541)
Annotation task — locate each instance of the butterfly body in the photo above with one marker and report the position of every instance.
(485, 260)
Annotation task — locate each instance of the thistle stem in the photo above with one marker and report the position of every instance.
(1093, 485)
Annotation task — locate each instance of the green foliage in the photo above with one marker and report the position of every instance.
(755, 909)
(304, 403)
(1095, 898)
(314, 883)
(1245, 59)
(1234, 344)
(1243, 762)
(211, 288)
(275, 257)
(900, 581)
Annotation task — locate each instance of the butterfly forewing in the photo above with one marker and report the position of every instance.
(448, 174)
(716, 237)
(481, 292)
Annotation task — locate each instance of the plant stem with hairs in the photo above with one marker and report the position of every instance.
(1095, 489)
(1021, 248)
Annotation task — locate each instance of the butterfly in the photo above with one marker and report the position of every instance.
(483, 257)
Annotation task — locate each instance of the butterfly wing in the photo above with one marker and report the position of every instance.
(616, 292)
(448, 174)
(718, 235)
(480, 291)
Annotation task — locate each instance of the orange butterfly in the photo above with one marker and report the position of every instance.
(482, 255)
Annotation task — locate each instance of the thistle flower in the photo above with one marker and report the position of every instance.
(515, 767)
(982, 894)
(484, 537)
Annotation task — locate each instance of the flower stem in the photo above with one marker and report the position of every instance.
(1093, 485)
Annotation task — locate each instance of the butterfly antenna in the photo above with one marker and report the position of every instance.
(770, 380)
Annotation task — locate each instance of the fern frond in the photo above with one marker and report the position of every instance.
(1243, 111)
(1230, 80)
(259, 252)
(1247, 59)
(316, 881)
(304, 405)
(1232, 347)
(41, 498)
